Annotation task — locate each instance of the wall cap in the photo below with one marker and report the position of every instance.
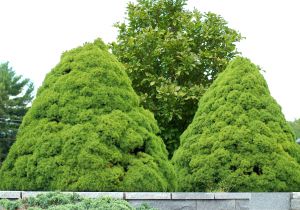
(10, 194)
(147, 196)
(192, 196)
(236, 196)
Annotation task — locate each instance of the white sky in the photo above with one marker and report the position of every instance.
(34, 33)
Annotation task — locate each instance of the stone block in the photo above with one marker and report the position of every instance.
(27, 194)
(10, 194)
(242, 205)
(147, 196)
(117, 195)
(270, 201)
(295, 195)
(295, 204)
(215, 204)
(192, 196)
(167, 204)
(233, 196)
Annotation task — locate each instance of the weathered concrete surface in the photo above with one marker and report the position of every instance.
(167, 204)
(117, 195)
(26, 194)
(191, 201)
(231, 196)
(215, 204)
(147, 196)
(270, 201)
(296, 195)
(242, 204)
(295, 204)
(10, 194)
(295, 201)
(192, 196)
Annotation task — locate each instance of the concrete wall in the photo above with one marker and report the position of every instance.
(192, 201)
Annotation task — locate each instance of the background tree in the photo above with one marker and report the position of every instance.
(296, 127)
(15, 96)
(172, 55)
(85, 131)
(239, 139)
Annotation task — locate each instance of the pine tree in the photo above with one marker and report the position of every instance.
(86, 131)
(15, 95)
(239, 139)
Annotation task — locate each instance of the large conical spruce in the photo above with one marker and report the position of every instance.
(85, 131)
(239, 140)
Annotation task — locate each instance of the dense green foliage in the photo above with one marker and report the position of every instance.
(239, 139)
(15, 95)
(63, 201)
(296, 127)
(172, 55)
(85, 131)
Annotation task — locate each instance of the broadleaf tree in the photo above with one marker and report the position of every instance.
(15, 97)
(239, 139)
(172, 55)
(86, 131)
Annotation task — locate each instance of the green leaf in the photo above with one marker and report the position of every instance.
(179, 46)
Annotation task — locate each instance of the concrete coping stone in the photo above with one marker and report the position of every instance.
(192, 196)
(296, 195)
(295, 204)
(10, 194)
(144, 195)
(27, 194)
(236, 196)
(117, 195)
(147, 196)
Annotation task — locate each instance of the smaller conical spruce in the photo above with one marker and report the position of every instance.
(239, 140)
(85, 131)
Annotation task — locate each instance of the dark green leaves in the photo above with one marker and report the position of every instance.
(15, 95)
(172, 55)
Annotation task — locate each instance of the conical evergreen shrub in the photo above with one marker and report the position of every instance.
(239, 139)
(85, 131)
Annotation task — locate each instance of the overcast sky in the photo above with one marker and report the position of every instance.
(34, 33)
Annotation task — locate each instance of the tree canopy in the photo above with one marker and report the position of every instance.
(296, 127)
(172, 55)
(86, 131)
(239, 139)
(15, 96)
